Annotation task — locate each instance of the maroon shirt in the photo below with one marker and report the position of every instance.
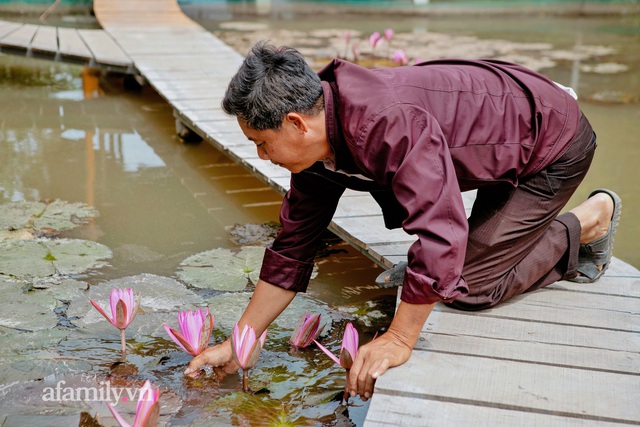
(420, 135)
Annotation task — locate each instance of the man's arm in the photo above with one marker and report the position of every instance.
(267, 302)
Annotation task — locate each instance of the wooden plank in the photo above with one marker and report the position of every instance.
(20, 37)
(104, 49)
(609, 285)
(45, 40)
(7, 27)
(601, 359)
(70, 44)
(136, 6)
(363, 205)
(554, 306)
(530, 387)
(477, 325)
(392, 410)
(394, 249)
(367, 231)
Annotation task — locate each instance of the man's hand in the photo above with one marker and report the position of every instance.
(219, 357)
(373, 359)
(389, 350)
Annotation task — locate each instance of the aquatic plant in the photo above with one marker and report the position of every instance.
(307, 329)
(388, 34)
(123, 310)
(195, 330)
(400, 58)
(348, 351)
(147, 411)
(375, 40)
(246, 350)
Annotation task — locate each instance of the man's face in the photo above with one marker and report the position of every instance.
(285, 147)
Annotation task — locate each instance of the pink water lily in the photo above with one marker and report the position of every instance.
(306, 331)
(124, 307)
(388, 34)
(400, 58)
(348, 351)
(375, 40)
(195, 330)
(147, 411)
(246, 349)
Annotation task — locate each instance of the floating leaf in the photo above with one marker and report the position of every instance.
(253, 234)
(33, 310)
(56, 215)
(159, 294)
(222, 269)
(27, 259)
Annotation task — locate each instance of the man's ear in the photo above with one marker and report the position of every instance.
(297, 120)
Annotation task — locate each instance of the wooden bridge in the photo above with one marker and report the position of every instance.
(568, 355)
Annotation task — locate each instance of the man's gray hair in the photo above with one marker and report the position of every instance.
(272, 82)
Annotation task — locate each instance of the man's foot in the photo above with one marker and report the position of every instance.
(599, 216)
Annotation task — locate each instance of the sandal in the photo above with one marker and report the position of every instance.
(599, 252)
(392, 277)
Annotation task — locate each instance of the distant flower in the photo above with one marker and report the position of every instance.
(195, 330)
(246, 349)
(375, 40)
(306, 331)
(123, 310)
(348, 351)
(400, 58)
(388, 34)
(147, 411)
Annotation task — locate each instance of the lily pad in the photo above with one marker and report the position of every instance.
(32, 355)
(33, 310)
(222, 269)
(55, 215)
(159, 294)
(42, 257)
(254, 234)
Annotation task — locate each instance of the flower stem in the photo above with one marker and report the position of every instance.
(245, 380)
(123, 341)
(345, 397)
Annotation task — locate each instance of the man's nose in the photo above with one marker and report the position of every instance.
(262, 153)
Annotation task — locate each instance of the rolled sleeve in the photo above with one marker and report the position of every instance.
(285, 272)
(420, 289)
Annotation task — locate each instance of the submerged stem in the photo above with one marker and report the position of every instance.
(245, 380)
(123, 341)
(345, 397)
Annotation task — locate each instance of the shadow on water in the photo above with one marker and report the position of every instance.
(68, 133)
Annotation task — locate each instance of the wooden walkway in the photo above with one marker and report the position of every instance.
(93, 48)
(568, 355)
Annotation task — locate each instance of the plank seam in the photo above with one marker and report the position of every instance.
(548, 322)
(531, 362)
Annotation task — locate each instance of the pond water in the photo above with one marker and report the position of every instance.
(71, 135)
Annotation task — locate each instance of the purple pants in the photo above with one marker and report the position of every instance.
(517, 241)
